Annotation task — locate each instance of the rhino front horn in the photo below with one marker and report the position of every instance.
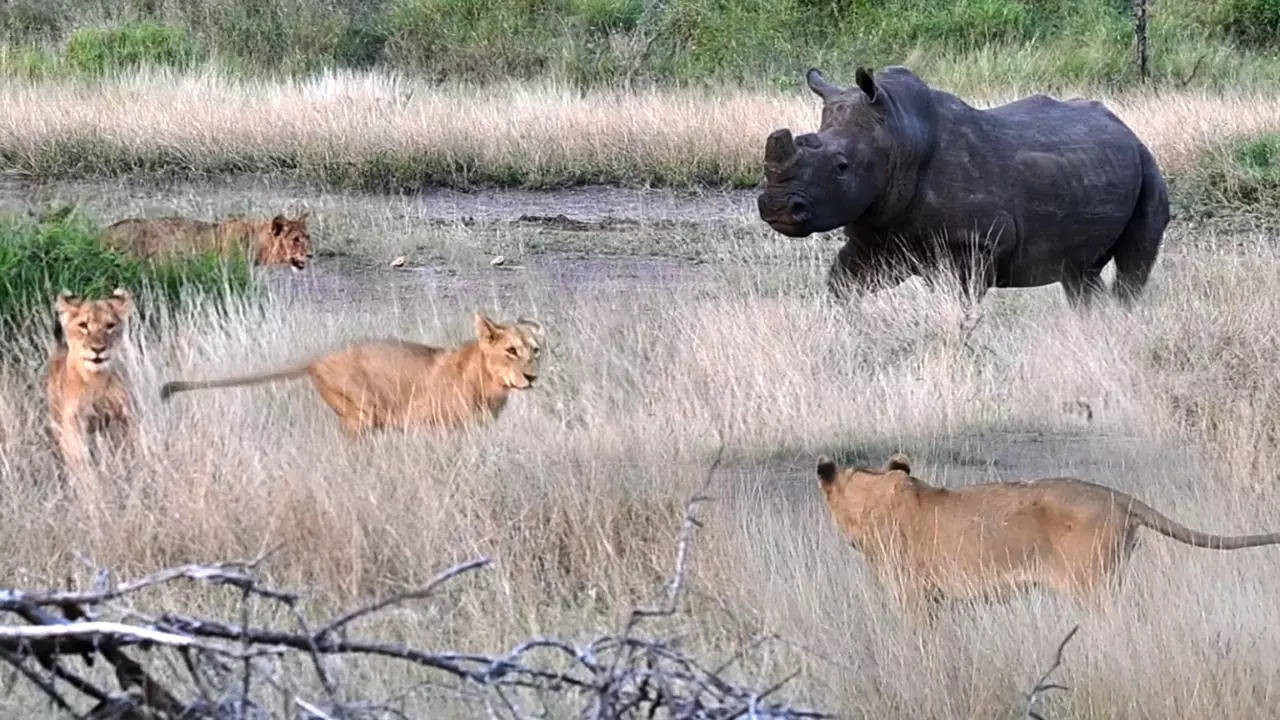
(780, 147)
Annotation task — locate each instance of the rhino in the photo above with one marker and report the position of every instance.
(1025, 194)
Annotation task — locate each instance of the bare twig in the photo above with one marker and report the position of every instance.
(1043, 685)
(418, 594)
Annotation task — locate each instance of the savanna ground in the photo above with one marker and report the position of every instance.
(674, 318)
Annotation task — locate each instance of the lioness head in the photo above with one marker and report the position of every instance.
(510, 352)
(856, 495)
(92, 328)
(285, 241)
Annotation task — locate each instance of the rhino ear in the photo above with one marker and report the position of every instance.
(820, 86)
(867, 84)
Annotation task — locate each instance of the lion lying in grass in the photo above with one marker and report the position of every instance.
(278, 241)
(397, 384)
(88, 395)
(984, 541)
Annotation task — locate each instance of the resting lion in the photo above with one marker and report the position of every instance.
(277, 241)
(396, 384)
(88, 394)
(983, 541)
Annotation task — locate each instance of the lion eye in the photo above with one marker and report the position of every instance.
(512, 352)
(84, 324)
(111, 326)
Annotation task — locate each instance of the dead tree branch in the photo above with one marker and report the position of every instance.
(1043, 685)
(222, 669)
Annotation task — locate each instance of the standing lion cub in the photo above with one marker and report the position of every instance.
(398, 384)
(88, 393)
(278, 241)
(984, 541)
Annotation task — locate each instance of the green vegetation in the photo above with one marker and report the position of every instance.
(40, 257)
(1240, 174)
(1048, 43)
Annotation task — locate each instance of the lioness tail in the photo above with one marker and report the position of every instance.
(1154, 519)
(170, 388)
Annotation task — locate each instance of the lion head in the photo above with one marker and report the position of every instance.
(92, 328)
(510, 352)
(285, 241)
(856, 496)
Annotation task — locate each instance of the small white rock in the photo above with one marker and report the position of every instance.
(398, 262)
(498, 260)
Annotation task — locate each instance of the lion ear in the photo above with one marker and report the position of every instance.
(826, 470)
(486, 329)
(533, 326)
(277, 225)
(66, 302)
(898, 461)
(122, 300)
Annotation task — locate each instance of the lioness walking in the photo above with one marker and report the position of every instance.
(983, 541)
(278, 241)
(398, 384)
(89, 394)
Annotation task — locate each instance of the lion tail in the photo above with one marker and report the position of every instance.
(177, 386)
(1148, 516)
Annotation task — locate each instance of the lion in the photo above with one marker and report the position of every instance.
(985, 542)
(397, 384)
(89, 395)
(278, 241)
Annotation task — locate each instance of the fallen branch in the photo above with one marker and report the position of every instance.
(1043, 685)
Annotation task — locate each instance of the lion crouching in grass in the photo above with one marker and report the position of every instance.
(396, 384)
(985, 541)
(88, 393)
(278, 241)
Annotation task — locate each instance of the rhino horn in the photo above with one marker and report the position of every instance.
(780, 147)
(819, 84)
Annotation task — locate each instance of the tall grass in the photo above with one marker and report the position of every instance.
(389, 132)
(610, 42)
(40, 257)
(576, 489)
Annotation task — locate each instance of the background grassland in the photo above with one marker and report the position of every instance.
(576, 489)
(606, 42)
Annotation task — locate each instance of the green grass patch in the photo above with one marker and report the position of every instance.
(40, 257)
(1241, 175)
(95, 51)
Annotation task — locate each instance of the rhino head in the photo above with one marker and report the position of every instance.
(824, 180)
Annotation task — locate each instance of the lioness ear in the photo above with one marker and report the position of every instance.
(898, 461)
(122, 300)
(486, 329)
(533, 326)
(867, 84)
(66, 302)
(826, 470)
(277, 225)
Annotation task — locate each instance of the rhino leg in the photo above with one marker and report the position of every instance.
(1082, 287)
(1136, 250)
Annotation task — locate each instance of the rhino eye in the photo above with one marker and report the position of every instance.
(842, 165)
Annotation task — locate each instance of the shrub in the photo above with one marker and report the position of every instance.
(98, 50)
(1242, 174)
(40, 257)
(1255, 22)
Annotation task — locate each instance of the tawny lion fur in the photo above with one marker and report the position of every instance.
(984, 541)
(278, 241)
(89, 395)
(397, 384)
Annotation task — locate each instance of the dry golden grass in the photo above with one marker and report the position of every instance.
(576, 490)
(376, 130)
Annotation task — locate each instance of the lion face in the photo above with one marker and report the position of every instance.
(510, 351)
(286, 241)
(92, 328)
(855, 496)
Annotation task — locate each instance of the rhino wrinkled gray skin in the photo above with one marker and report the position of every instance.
(1029, 193)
